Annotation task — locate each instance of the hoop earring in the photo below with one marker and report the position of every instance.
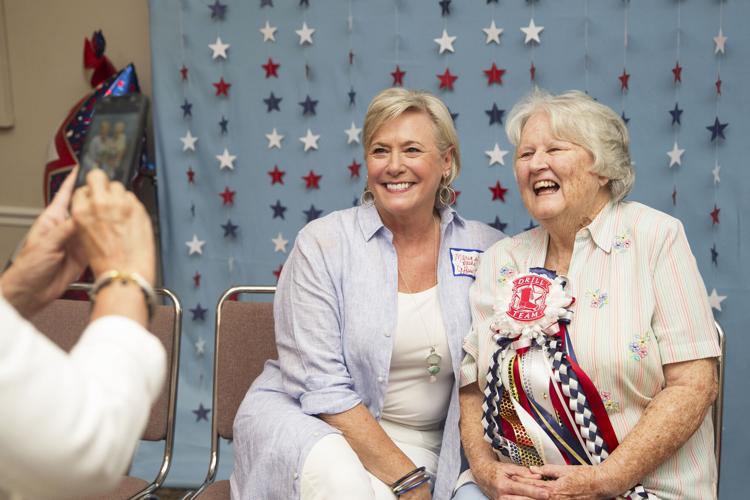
(367, 196)
(446, 195)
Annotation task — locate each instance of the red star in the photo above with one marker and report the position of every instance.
(351, 57)
(197, 279)
(498, 192)
(447, 79)
(228, 196)
(277, 176)
(277, 272)
(398, 77)
(311, 180)
(532, 72)
(624, 77)
(494, 75)
(191, 175)
(674, 196)
(718, 84)
(715, 215)
(354, 169)
(271, 68)
(677, 72)
(184, 72)
(222, 87)
(454, 198)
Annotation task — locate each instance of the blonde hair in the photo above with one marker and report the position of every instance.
(578, 118)
(395, 101)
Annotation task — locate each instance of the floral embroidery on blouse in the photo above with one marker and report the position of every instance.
(639, 345)
(610, 404)
(598, 298)
(506, 272)
(622, 242)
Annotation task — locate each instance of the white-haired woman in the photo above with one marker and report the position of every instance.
(371, 310)
(592, 348)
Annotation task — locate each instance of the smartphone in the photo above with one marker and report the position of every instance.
(115, 138)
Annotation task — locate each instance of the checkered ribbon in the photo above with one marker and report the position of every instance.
(567, 378)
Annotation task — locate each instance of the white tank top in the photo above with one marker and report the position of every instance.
(411, 399)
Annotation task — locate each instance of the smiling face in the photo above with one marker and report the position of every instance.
(404, 167)
(554, 176)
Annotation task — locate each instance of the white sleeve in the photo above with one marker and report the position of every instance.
(70, 422)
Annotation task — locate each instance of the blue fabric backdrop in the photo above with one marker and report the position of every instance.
(581, 46)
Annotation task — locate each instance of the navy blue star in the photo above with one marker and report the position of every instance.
(495, 114)
(192, 209)
(445, 6)
(676, 114)
(218, 10)
(454, 116)
(306, 3)
(714, 255)
(308, 106)
(717, 129)
(624, 118)
(230, 230)
(199, 313)
(272, 102)
(352, 97)
(278, 209)
(266, 3)
(223, 124)
(531, 225)
(187, 109)
(355, 201)
(312, 214)
(201, 413)
(498, 224)
(491, 1)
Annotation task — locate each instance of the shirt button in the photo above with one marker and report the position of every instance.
(296, 476)
(380, 379)
(377, 414)
(387, 334)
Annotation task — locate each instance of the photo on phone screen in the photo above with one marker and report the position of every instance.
(113, 142)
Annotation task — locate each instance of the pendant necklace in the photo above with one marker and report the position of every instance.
(433, 358)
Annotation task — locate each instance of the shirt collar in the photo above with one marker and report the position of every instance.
(602, 228)
(370, 222)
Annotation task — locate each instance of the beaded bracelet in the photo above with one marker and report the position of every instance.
(109, 277)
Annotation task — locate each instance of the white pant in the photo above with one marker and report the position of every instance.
(332, 470)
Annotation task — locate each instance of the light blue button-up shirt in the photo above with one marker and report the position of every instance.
(335, 311)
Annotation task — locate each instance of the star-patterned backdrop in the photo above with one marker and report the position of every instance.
(258, 109)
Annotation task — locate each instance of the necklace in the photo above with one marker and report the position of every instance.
(433, 358)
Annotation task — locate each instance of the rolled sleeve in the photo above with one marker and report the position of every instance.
(308, 327)
(682, 322)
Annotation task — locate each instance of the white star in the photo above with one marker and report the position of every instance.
(715, 171)
(352, 134)
(445, 42)
(310, 140)
(200, 347)
(675, 156)
(279, 243)
(219, 48)
(493, 33)
(188, 142)
(269, 32)
(305, 34)
(350, 23)
(195, 245)
(497, 155)
(532, 32)
(274, 139)
(226, 160)
(720, 40)
(715, 299)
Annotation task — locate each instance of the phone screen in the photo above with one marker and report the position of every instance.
(113, 140)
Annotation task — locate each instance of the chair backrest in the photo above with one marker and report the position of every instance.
(718, 408)
(63, 321)
(244, 341)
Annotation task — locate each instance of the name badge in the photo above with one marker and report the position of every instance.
(464, 261)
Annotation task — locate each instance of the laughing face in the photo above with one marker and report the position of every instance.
(404, 167)
(554, 175)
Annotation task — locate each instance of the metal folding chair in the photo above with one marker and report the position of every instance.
(63, 321)
(718, 407)
(244, 342)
